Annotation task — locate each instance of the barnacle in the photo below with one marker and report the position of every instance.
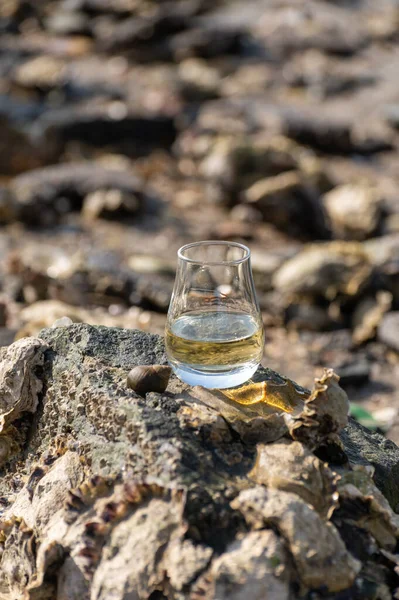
(282, 396)
(80, 498)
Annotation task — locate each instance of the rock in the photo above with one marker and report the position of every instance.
(322, 27)
(354, 373)
(17, 154)
(232, 163)
(144, 263)
(313, 543)
(388, 330)
(42, 72)
(332, 136)
(305, 316)
(43, 196)
(46, 313)
(383, 253)
(149, 37)
(7, 336)
(253, 78)
(382, 523)
(354, 211)
(116, 494)
(255, 564)
(325, 270)
(366, 447)
(392, 115)
(68, 23)
(289, 204)
(112, 125)
(109, 204)
(7, 206)
(207, 42)
(324, 76)
(198, 80)
(368, 315)
(325, 412)
(292, 467)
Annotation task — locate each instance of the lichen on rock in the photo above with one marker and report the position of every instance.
(185, 493)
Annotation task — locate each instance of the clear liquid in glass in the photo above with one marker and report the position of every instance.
(216, 349)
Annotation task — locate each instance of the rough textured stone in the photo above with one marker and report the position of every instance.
(120, 496)
(367, 447)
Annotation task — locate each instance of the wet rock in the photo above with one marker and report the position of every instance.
(354, 211)
(44, 196)
(285, 200)
(388, 330)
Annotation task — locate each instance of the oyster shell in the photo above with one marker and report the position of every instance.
(354, 211)
(325, 270)
(325, 412)
(19, 383)
(318, 551)
(291, 467)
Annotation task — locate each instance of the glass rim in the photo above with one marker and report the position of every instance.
(238, 261)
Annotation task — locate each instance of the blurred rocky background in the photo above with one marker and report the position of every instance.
(131, 127)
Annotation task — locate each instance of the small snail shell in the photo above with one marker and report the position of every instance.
(149, 378)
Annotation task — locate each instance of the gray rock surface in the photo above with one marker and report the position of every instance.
(364, 446)
(111, 495)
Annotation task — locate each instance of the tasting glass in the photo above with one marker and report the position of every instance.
(214, 333)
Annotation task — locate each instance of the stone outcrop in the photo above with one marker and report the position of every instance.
(109, 495)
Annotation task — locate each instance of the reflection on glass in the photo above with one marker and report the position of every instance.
(214, 333)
